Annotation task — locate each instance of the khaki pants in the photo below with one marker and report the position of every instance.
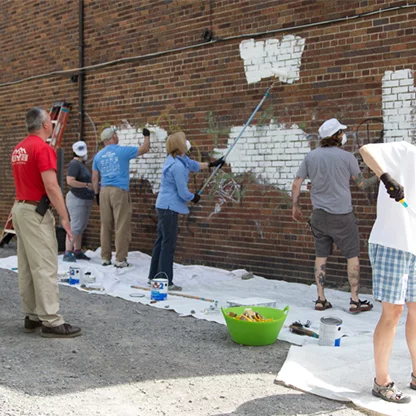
(115, 211)
(37, 262)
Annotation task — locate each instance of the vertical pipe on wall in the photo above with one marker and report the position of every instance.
(81, 73)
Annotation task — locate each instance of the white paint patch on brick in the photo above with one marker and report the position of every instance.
(148, 166)
(263, 56)
(399, 103)
(272, 153)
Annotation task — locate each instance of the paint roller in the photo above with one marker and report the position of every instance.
(277, 73)
(280, 72)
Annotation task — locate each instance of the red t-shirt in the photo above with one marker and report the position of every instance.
(30, 158)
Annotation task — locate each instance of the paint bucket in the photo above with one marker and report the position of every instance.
(159, 290)
(74, 275)
(330, 331)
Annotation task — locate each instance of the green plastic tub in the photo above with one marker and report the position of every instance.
(255, 333)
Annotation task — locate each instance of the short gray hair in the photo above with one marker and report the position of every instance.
(35, 117)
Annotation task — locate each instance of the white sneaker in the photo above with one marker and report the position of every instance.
(121, 264)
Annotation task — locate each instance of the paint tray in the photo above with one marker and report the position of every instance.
(270, 303)
(255, 333)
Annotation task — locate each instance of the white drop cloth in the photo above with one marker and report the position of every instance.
(343, 373)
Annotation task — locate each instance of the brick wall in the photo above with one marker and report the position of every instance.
(359, 70)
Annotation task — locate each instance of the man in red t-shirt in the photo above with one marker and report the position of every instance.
(34, 172)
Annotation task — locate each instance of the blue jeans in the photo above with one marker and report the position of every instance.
(165, 244)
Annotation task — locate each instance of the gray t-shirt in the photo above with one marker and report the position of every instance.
(330, 170)
(80, 172)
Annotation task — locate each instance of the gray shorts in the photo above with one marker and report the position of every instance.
(79, 212)
(340, 229)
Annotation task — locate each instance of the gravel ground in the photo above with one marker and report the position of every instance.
(135, 360)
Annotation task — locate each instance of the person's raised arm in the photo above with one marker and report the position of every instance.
(371, 160)
(362, 182)
(394, 189)
(145, 147)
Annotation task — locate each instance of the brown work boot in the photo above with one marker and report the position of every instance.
(60, 331)
(31, 326)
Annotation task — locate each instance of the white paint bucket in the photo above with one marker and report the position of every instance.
(330, 331)
(159, 290)
(75, 274)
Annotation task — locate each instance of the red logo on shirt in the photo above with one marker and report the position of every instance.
(20, 156)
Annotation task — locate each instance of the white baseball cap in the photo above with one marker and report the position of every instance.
(330, 127)
(80, 148)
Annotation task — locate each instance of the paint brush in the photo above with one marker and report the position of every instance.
(298, 328)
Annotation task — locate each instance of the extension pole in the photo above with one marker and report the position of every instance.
(404, 203)
(176, 294)
(277, 72)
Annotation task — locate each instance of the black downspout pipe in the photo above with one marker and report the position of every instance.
(81, 73)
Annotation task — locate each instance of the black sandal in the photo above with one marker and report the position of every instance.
(361, 306)
(325, 305)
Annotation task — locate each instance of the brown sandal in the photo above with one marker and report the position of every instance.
(324, 305)
(413, 383)
(360, 306)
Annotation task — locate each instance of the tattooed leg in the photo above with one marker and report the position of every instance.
(320, 276)
(353, 269)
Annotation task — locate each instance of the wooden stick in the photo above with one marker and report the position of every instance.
(140, 287)
(177, 294)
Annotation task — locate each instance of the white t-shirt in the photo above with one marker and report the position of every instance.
(395, 227)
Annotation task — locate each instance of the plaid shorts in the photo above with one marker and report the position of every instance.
(394, 274)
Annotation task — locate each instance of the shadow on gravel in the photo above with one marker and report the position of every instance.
(285, 405)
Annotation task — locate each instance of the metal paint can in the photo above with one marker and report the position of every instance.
(330, 331)
(159, 290)
(74, 275)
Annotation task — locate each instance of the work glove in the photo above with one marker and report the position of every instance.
(394, 189)
(196, 198)
(219, 162)
(146, 132)
(97, 198)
